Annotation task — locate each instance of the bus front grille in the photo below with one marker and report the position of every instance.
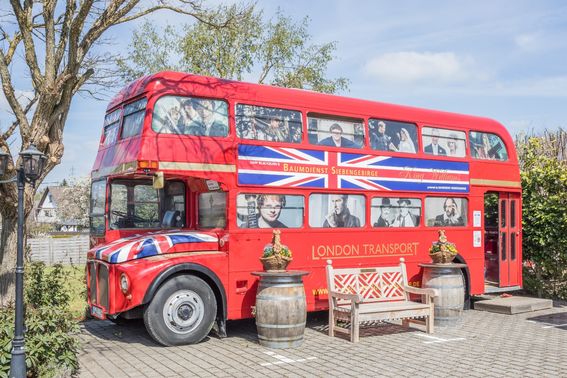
(103, 285)
(98, 282)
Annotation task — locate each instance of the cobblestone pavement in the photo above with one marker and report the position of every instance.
(486, 344)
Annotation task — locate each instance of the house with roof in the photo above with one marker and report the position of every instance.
(46, 211)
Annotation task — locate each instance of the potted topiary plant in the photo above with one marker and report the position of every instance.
(441, 251)
(276, 256)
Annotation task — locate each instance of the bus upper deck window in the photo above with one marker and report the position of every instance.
(270, 124)
(111, 125)
(487, 146)
(190, 116)
(133, 118)
(335, 131)
(394, 136)
(443, 142)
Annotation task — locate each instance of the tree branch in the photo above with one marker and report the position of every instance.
(265, 71)
(64, 33)
(107, 18)
(200, 16)
(11, 95)
(24, 18)
(12, 45)
(49, 20)
(8, 133)
(75, 33)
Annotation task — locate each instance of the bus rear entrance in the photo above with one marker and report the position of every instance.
(502, 241)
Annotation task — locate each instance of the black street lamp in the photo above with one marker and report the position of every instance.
(29, 170)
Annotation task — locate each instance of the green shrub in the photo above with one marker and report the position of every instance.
(544, 221)
(47, 287)
(51, 341)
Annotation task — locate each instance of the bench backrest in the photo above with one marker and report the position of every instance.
(378, 284)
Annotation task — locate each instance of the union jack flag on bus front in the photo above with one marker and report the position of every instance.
(293, 167)
(154, 243)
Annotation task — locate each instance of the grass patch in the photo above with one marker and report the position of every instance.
(77, 289)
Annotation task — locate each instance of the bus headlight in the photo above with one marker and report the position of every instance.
(124, 283)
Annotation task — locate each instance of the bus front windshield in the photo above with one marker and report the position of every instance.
(135, 204)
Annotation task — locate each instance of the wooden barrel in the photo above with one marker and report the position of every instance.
(449, 282)
(280, 309)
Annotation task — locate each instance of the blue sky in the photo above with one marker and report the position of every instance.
(505, 60)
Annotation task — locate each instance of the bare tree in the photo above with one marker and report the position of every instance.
(53, 42)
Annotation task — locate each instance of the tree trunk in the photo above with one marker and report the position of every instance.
(8, 244)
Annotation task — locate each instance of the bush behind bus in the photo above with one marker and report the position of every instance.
(543, 161)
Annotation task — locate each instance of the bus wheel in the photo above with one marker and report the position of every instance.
(182, 311)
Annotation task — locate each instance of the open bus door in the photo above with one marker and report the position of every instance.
(509, 240)
(502, 241)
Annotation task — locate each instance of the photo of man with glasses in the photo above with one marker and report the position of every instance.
(336, 139)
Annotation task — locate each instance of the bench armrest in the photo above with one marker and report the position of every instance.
(419, 291)
(356, 298)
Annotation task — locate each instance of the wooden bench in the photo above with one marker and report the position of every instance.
(375, 294)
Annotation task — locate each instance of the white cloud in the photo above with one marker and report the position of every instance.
(527, 41)
(411, 67)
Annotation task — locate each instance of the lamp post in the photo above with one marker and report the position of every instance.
(29, 170)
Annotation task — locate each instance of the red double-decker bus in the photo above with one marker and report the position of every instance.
(194, 173)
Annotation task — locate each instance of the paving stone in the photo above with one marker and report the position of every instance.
(485, 345)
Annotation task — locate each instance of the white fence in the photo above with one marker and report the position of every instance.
(68, 251)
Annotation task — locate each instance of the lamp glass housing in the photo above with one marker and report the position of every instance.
(3, 162)
(32, 161)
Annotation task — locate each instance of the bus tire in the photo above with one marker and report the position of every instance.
(181, 312)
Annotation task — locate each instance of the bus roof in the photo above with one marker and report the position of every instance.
(169, 82)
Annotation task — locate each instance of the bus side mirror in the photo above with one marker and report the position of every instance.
(158, 181)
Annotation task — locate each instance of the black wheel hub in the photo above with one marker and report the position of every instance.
(184, 312)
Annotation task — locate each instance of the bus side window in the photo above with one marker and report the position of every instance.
(212, 210)
(394, 136)
(487, 146)
(395, 212)
(443, 142)
(335, 131)
(174, 205)
(190, 116)
(133, 119)
(269, 210)
(337, 210)
(446, 211)
(270, 124)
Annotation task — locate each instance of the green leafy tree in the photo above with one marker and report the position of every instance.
(544, 183)
(279, 50)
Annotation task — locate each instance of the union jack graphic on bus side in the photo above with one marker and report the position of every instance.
(259, 165)
(139, 246)
(293, 167)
